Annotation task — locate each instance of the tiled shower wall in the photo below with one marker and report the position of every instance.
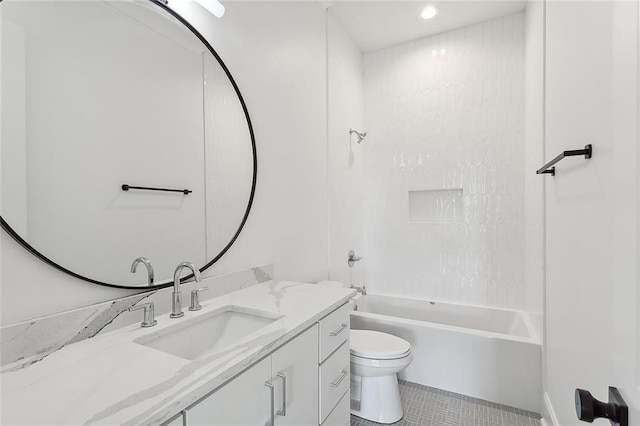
(345, 156)
(446, 113)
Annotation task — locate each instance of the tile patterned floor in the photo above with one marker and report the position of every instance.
(426, 406)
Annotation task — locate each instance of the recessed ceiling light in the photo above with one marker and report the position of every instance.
(429, 12)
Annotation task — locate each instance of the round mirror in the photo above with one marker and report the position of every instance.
(123, 135)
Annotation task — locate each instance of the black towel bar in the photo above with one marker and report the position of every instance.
(547, 169)
(126, 187)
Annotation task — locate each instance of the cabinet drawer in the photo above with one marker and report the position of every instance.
(334, 380)
(341, 415)
(334, 330)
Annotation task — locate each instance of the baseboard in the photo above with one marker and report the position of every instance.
(548, 416)
(545, 422)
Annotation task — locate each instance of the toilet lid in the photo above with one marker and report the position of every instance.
(377, 345)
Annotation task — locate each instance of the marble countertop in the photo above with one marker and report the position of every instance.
(110, 379)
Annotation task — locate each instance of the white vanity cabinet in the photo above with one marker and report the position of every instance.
(305, 382)
(290, 373)
(334, 363)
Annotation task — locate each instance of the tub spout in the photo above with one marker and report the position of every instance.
(362, 290)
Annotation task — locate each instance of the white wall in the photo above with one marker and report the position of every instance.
(591, 297)
(283, 82)
(282, 79)
(638, 216)
(534, 157)
(13, 80)
(226, 151)
(447, 112)
(346, 156)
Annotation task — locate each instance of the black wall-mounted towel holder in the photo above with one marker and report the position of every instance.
(126, 187)
(548, 169)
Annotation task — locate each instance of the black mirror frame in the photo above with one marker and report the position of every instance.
(9, 230)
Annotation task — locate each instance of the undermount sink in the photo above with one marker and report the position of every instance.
(208, 333)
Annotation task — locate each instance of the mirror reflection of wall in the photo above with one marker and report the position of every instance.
(226, 154)
(110, 93)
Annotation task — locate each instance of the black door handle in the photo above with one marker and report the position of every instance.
(588, 408)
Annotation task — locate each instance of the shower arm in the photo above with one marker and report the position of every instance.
(359, 135)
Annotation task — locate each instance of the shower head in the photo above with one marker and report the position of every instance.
(359, 135)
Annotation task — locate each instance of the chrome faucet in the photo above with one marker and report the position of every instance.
(146, 263)
(176, 300)
(362, 290)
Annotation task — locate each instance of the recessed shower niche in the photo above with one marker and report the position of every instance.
(436, 205)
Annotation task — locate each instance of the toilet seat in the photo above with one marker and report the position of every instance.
(374, 345)
(382, 364)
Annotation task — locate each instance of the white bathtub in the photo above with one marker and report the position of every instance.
(487, 353)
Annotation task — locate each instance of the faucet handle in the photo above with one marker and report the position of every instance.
(149, 315)
(353, 258)
(195, 299)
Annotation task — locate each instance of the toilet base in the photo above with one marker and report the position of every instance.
(378, 399)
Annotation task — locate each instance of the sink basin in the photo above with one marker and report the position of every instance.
(208, 333)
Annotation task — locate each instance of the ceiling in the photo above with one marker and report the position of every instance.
(375, 25)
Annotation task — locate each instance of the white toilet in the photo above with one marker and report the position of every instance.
(375, 359)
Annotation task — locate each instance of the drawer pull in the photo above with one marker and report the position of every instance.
(338, 331)
(283, 412)
(336, 383)
(273, 402)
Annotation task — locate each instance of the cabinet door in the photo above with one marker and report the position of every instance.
(295, 373)
(243, 401)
